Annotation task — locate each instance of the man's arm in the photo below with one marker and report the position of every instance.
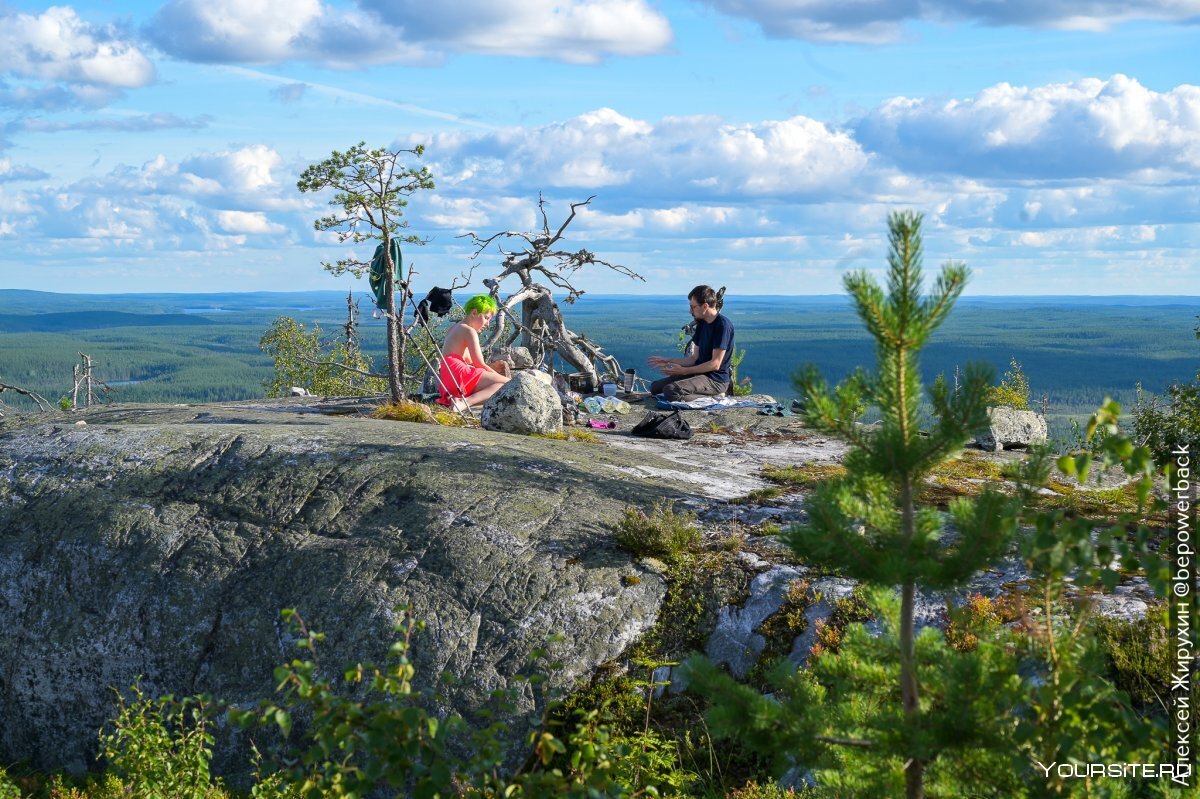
(659, 361)
(711, 365)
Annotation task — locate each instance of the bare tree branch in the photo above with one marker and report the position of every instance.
(536, 257)
(43, 405)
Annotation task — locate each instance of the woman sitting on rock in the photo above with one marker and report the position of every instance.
(466, 379)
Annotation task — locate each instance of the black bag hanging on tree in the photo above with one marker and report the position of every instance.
(438, 301)
(663, 425)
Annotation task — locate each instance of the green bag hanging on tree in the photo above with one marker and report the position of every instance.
(378, 269)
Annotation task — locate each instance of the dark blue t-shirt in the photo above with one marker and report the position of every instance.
(714, 335)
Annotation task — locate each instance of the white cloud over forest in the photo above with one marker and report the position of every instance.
(672, 159)
(1088, 128)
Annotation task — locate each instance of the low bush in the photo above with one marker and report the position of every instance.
(161, 747)
(1139, 655)
(662, 533)
(1013, 391)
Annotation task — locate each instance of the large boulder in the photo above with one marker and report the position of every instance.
(1009, 428)
(526, 404)
(163, 541)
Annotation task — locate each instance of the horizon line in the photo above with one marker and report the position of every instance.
(339, 292)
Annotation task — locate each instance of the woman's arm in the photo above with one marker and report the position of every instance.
(475, 353)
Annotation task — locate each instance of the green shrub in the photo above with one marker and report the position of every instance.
(1167, 423)
(662, 533)
(769, 790)
(1013, 390)
(160, 748)
(8, 788)
(976, 617)
(302, 359)
(1139, 656)
(742, 387)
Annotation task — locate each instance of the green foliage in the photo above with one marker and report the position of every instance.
(371, 189)
(770, 790)
(927, 714)
(976, 618)
(64, 403)
(383, 740)
(1138, 654)
(160, 748)
(803, 476)
(302, 359)
(662, 533)
(742, 387)
(1013, 390)
(1074, 714)
(1163, 424)
(352, 747)
(8, 788)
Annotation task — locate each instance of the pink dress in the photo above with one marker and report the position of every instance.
(458, 377)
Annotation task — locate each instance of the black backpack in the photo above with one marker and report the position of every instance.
(663, 425)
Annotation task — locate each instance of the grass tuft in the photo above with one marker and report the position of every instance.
(410, 411)
(586, 436)
(662, 533)
(804, 476)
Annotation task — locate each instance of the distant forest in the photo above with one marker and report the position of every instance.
(204, 348)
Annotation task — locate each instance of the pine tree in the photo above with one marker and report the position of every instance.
(372, 188)
(866, 526)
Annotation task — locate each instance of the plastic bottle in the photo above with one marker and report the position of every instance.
(609, 405)
(623, 406)
(592, 404)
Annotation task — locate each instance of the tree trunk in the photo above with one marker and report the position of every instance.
(910, 697)
(395, 334)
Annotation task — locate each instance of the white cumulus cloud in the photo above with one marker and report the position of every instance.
(582, 31)
(675, 158)
(1088, 128)
(882, 21)
(66, 60)
(272, 31)
(381, 31)
(247, 222)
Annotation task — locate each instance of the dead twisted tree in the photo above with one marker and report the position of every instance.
(42, 404)
(537, 255)
(82, 372)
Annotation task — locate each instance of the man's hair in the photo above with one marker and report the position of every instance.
(482, 303)
(703, 295)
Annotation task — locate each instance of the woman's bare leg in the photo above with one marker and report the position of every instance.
(481, 395)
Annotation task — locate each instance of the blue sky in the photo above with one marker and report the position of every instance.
(1053, 145)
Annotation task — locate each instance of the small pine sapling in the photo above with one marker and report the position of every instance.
(866, 525)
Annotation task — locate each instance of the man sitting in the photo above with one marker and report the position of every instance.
(705, 373)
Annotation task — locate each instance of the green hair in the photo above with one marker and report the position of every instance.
(481, 303)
